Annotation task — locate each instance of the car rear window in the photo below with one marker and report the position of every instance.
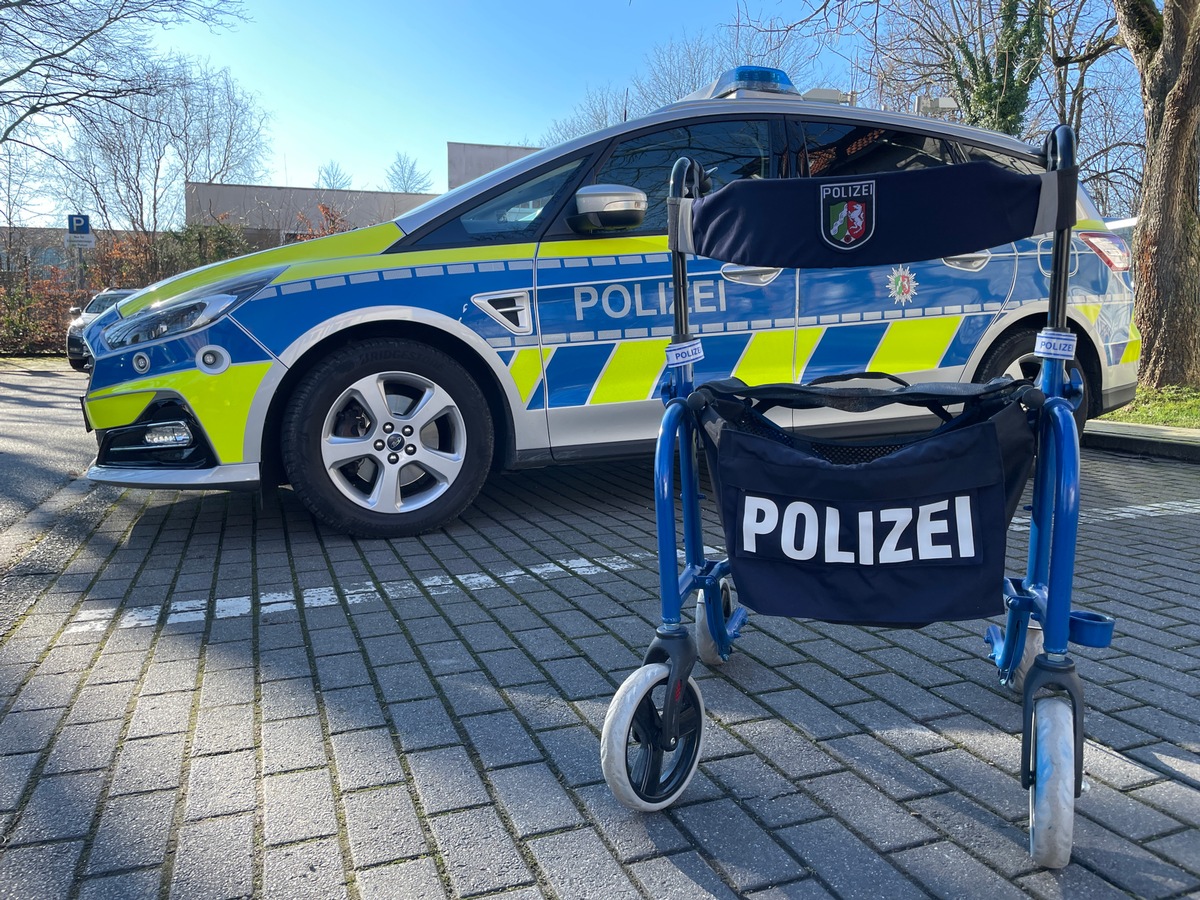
(999, 158)
(843, 148)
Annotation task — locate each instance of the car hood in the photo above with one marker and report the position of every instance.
(360, 242)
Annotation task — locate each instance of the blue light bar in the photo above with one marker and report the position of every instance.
(753, 78)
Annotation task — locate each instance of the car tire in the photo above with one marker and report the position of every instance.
(79, 365)
(387, 438)
(1014, 355)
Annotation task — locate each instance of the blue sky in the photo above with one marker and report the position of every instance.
(357, 81)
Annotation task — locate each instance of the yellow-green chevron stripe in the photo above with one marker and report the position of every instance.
(526, 370)
(769, 358)
(632, 372)
(914, 345)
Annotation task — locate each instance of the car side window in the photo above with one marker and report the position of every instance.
(509, 217)
(1004, 160)
(727, 149)
(843, 148)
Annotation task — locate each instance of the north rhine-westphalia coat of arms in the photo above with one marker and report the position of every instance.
(848, 213)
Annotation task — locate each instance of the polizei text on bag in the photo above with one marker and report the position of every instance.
(820, 533)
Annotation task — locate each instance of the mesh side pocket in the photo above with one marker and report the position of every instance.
(762, 427)
(852, 454)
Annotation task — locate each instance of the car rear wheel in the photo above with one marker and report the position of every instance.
(387, 438)
(1014, 355)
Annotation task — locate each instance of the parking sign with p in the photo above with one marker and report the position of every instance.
(79, 232)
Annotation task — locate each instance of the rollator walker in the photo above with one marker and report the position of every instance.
(900, 531)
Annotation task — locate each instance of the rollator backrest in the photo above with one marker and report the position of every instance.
(895, 217)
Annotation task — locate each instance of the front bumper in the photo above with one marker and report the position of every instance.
(235, 477)
(76, 348)
(125, 456)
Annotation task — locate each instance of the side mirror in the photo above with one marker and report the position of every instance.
(603, 206)
(75, 310)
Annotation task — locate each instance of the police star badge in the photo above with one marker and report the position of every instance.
(848, 213)
(902, 286)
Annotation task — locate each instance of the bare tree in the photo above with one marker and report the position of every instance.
(332, 177)
(217, 128)
(404, 176)
(120, 162)
(600, 107)
(1090, 83)
(61, 56)
(1165, 43)
(681, 66)
(128, 152)
(20, 177)
(985, 54)
(128, 162)
(1080, 36)
(1112, 139)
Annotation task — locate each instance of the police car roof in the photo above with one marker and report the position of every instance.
(737, 103)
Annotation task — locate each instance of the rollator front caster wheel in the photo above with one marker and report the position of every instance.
(1034, 644)
(639, 772)
(1052, 794)
(706, 645)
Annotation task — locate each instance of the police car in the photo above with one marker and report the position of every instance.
(521, 320)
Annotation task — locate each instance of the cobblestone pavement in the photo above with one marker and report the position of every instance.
(208, 696)
(35, 462)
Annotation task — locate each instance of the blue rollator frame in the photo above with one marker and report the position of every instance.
(652, 734)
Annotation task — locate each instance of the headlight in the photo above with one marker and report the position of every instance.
(187, 312)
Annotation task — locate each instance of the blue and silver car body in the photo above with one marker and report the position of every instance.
(522, 319)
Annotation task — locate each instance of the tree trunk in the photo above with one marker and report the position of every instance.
(1166, 50)
(1168, 251)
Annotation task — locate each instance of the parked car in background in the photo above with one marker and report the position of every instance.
(77, 352)
(521, 319)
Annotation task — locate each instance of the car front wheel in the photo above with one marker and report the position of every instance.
(387, 438)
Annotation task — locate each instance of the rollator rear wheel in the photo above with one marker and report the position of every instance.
(1052, 794)
(1034, 644)
(706, 646)
(639, 773)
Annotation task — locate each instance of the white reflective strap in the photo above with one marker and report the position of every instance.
(1055, 345)
(682, 354)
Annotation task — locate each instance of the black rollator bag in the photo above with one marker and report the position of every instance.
(901, 531)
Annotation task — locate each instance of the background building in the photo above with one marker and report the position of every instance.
(276, 215)
(466, 162)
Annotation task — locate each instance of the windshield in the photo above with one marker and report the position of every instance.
(470, 187)
(105, 300)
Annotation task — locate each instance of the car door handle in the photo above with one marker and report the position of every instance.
(968, 262)
(757, 276)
